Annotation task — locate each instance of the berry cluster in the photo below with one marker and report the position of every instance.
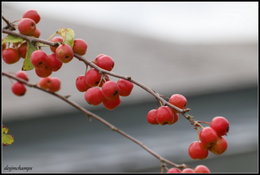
(197, 169)
(99, 88)
(166, 115)
(18, 88)
(27, 25)
(210, 139)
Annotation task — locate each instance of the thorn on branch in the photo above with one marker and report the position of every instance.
(67, 96)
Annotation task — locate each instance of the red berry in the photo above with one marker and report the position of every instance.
(37, 33)
(111, 103)
(152, 117)
(80, 46)
(81, 84)
(55, 84)
(39, 59)
(125, 87)
(56, 39)
(178, 100)
(10, 55)
(22, 50)
(94, 96)
(174, 170)
(187, 170)
(18, 89)
(208, 136)
(22, 75)
(64, 53)
(201, 169)
(198, 151)
(26, 26)
(110, 90)
(219, 147)
(43, 71)
(53, 62)
(104, 61)
(44, 83)
(164, 115)
(32, 14)
(175, 117)
(92, 77)
(220, 125)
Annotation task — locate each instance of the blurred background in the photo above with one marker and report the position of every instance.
(206, 51)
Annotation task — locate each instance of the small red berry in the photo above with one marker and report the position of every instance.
(81, 84)
(55, 84)
(22, 50)
(178, 100)
(53, 62)
(152, 117)
(125, 87)
(174, 170)
(110, 90)
(104, 61)
(220, 125)
(22, 75)
(111, 103)
(94, 96)
(187, 170)
(43, 71)
(92, 77)
(164, 115)
(56, 39)
(18, 89)
(10, 55)
(201, 169)
(198, 151)
(64, 53)
(26, 26)
(208, 136)
(32, 14)
(44, 83)
(80, 46)
(39, 59)
(219, 147)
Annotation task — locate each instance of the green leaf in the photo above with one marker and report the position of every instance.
(27, 65)
(68, 35)
(12, 39)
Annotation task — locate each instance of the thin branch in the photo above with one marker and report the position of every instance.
(9, 24)
(100, 119)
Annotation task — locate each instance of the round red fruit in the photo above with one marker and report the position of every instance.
(43, 71)
(178, 100)
(151, 117)
(219, 147)
(94, 96)
(104, 61)
(187, 170)
(37, 33)
(55, 84)
(125, 87)
(22, 75)
(164, 115)
(39, 59)
(208, 136)
(201, 169)
(92, 77)
(64, 53)
(32, 14)
(26, 26)
(111, 104)
(220, 125)
(80, 46)
(110, 90)
(198, 151)
(18, 89)
(81, 84)
(10, 55)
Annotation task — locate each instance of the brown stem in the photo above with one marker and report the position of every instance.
(9, 24)
(100, 119)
